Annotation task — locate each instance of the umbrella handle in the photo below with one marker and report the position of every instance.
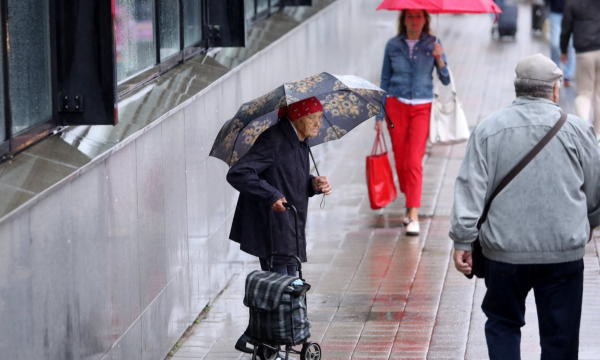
(387, 116)
(322, 205)
(314, 162)
(437, 26)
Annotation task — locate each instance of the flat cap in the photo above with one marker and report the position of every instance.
(538, 67)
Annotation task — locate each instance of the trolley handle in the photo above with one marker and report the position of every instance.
(293, 208)
(295, 256)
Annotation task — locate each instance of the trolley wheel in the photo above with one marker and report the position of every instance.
(266, 353)
(310, 351)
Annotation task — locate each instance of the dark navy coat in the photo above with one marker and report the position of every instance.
(276, 166)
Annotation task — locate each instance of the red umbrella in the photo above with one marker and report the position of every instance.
(442, 6)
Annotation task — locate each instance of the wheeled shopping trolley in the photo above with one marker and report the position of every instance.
(278, 312)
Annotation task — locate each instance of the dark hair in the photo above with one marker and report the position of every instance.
(402, 23)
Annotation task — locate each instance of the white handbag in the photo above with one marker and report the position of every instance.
(448, 124)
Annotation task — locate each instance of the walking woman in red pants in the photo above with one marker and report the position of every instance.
(408, 64)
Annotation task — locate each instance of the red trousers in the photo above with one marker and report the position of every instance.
(409, 138)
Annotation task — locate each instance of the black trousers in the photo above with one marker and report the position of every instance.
(278, 268)
(558, 290)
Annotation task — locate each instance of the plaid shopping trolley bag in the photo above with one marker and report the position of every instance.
(277, 305)
(278, 313)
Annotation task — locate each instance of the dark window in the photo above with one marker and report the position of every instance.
(136, 50)
(297, 2)
(226, 23)
(250, 10)
(275, 5)
(29, 64)
(3, 124)
(57, 67)
(170, 43)
(85, 59)
(261, 6)
(192, 25)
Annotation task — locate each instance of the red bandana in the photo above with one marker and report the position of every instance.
(301, 108)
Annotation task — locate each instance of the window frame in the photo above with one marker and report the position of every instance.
(5, 144)
(13, 144)
(160, 67)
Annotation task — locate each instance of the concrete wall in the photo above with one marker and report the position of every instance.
(116, 261)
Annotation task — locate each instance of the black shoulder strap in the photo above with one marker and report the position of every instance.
(521, 165)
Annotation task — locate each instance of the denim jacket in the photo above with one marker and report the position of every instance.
(410, 78)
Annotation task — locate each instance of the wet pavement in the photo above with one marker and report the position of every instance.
(376, 293)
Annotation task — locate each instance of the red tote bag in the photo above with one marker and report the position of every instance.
(380, 180)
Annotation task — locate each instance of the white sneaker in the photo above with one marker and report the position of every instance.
(412, 229)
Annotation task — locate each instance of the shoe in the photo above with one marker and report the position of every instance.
(412, 229)
(567, 83)
(242, 344)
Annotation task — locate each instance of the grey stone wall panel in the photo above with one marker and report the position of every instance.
(151, 215)
(124, 271)
(16, 293)
(155, 343)
(91, 293)
(173, 153)
(52, 311)
(196, 156)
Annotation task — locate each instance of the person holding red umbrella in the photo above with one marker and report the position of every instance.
(408, 63)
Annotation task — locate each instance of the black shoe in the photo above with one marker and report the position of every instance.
(242, 344)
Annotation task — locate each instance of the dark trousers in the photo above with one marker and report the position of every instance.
(278, 268)
(558, 290)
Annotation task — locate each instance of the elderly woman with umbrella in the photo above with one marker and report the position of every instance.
(267, 144)
(276, 171)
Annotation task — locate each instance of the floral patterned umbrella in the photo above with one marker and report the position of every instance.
(347, 101)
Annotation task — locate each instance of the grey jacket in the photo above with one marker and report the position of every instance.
(582, 19)
(544, 215)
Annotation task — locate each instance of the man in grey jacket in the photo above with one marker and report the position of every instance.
(537, 227)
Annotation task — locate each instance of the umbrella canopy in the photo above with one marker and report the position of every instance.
(347, 101)
(443, 6)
